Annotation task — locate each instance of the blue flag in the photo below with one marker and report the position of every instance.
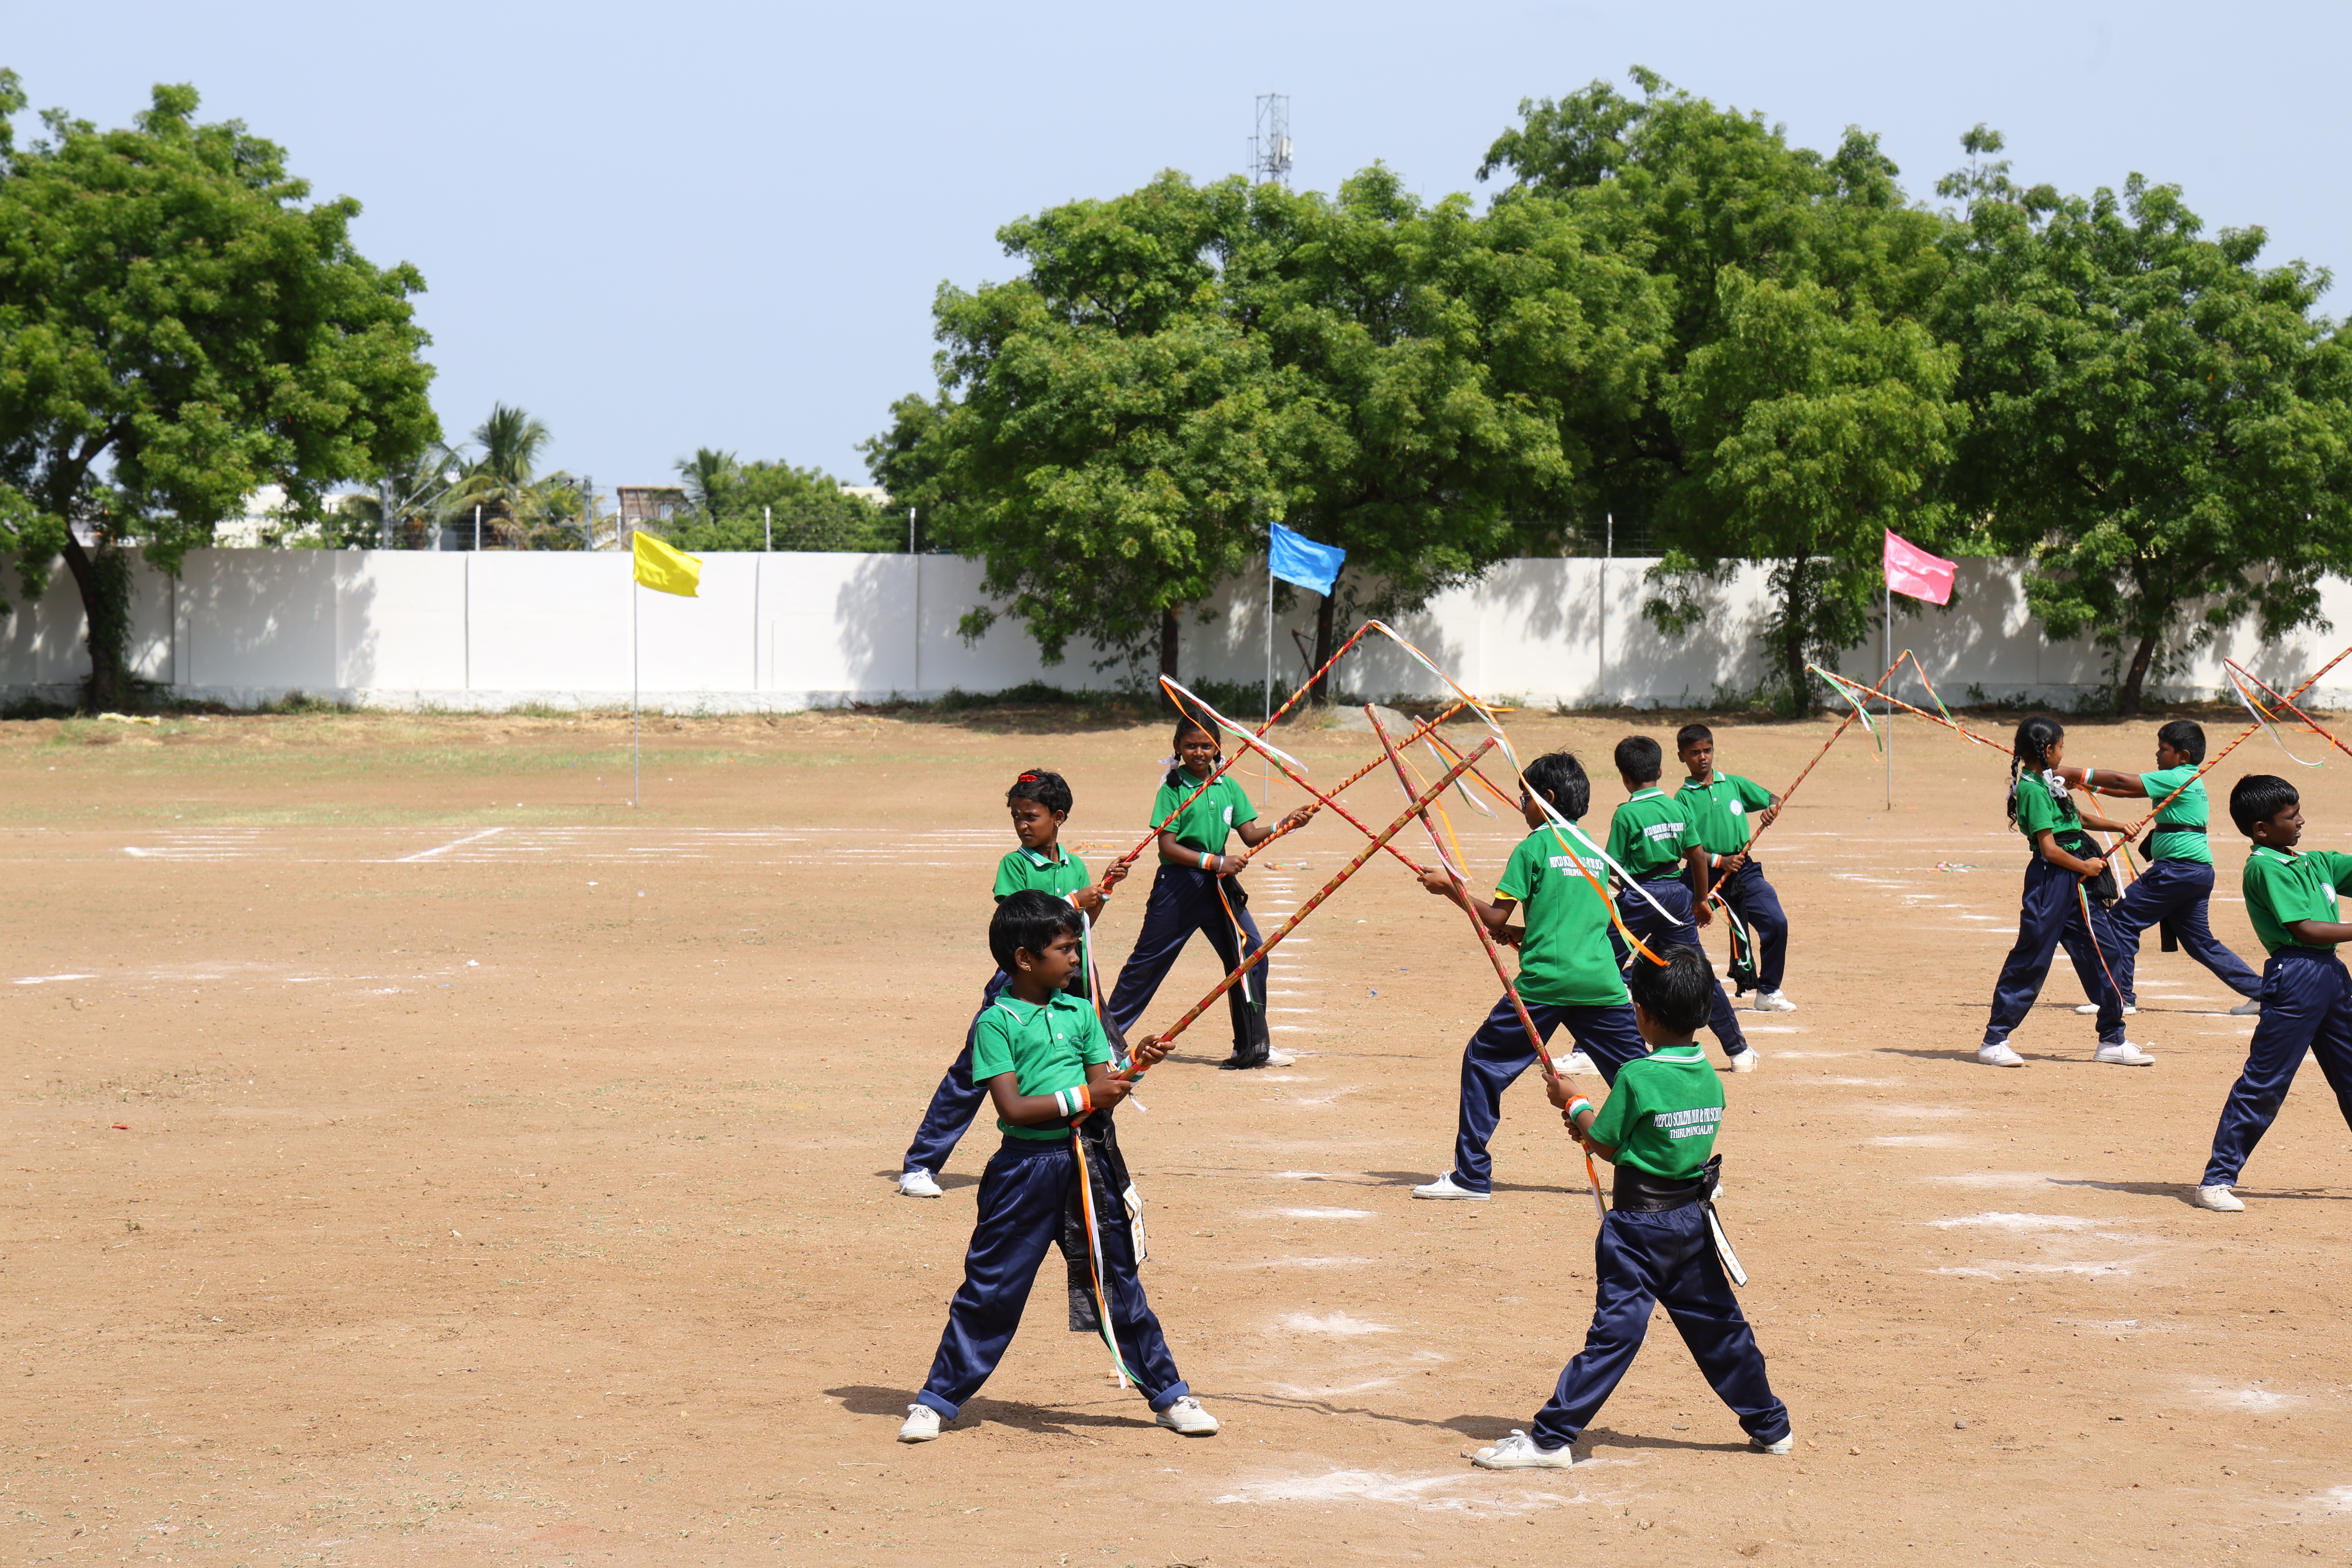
(1295, 557)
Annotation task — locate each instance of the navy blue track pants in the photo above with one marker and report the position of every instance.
(1752, 899)
(1499, 1052)
(2175, 893)
(955, 1102)
(2306, 1006)
(1641, 1259)
(2050, 916)
(1184, 900)
(1674, 929)
(1022, 1194)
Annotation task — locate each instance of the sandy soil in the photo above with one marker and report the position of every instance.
(417, 1154)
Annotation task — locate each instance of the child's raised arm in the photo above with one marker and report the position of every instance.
(1496, 915)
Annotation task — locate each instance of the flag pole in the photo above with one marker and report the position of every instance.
(636, 756)
(1265, 780)
(1890, 711)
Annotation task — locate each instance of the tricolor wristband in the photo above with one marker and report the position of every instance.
(1579, 1103)
(1073, 1101)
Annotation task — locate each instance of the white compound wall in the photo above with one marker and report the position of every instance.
(487, 631)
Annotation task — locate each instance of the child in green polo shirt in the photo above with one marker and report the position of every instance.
(1198, 889)
(1726, 811)
(1041, 1055)
(2057, 908)
(2175, 889)
(2291, 901)
(1655, 838)
(1568, 972)
(1040, 803)
(1657, 1245)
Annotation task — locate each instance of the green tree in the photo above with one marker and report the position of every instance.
(706, 474)
(1791, 266)
(1106, 433)
(2160, 421)
(179, 325)
(501, 483)
(1444, 366)
(745, 506)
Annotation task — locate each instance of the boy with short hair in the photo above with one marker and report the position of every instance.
(1727, 811)
(2291, 899)
(1567, 971)
(1041, 1055)
(1653, 837)
(1658, 1244)
(2175, 889)
(1040, 803)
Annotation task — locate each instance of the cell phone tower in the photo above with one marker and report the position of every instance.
(1270, 146)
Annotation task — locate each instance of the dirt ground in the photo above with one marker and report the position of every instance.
(597, 1258)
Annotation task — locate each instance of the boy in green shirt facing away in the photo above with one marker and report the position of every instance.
(1726, 811)
(1655, 837)
(2307, 995)
(1658, 1243)
(1041, 1055)
(1040, 803)
(1568, 972)
(2174, 890)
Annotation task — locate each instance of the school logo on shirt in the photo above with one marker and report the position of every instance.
(1663, 830)
(1229, 816)
(1736, 806)
(1700, 1122)
(1568, 864)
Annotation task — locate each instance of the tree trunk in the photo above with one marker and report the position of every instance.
(104, 614)
(2136, 678)
(1167, 630)
(1324, 634)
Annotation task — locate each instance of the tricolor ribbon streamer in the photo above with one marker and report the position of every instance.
(2240, 678)
(1126, 1378)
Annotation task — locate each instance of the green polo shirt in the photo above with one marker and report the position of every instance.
(1046, 1048)
(1663, 1112)
(2282, 886)
(2041, 808)
(1718, 810)
(1649, 833)
(1222, 806)
(1025, 868)
(2190, 806)
(1565, 959)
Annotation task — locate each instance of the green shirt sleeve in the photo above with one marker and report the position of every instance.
(1617, 1115)
(1164, 802)
(2337, 870)
(1753, 795)
(1094, 1046)
(1243, 810)
(1011, 874)
(992, 1046)
(2289, 897)
(1620, 836)
(2036, 808)
(1526, 864)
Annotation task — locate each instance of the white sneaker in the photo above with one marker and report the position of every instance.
(1518, 1452)
(1443, 1187)
(923, 1424)
(2124, 1054)
(1782, 1446)
(2221, 1200)
(1280, 1060)
(2249, 1009)
(1748, 1060)
(1187, 1419)
(1773, 1002)
(2089, 1008)
(1577, 1061)
(918, 1184)
(1999, 1056)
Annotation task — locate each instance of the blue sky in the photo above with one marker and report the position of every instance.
(658, 228)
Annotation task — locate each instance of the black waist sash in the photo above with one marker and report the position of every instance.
(1638, 1192)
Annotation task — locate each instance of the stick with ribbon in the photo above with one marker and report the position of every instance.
(1379, 841)
(2243, 736)
(1486, 940)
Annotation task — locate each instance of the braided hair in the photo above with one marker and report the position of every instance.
(2030, 753)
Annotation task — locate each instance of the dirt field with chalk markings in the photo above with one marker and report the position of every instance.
(419, 1155)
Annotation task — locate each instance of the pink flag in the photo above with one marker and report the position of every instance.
(1911, 569)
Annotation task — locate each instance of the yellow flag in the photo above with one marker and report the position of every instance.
(665, 570)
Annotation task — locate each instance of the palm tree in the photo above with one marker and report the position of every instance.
(706, 474)
(499, 481)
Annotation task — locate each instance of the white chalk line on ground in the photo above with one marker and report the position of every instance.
(453, 844)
